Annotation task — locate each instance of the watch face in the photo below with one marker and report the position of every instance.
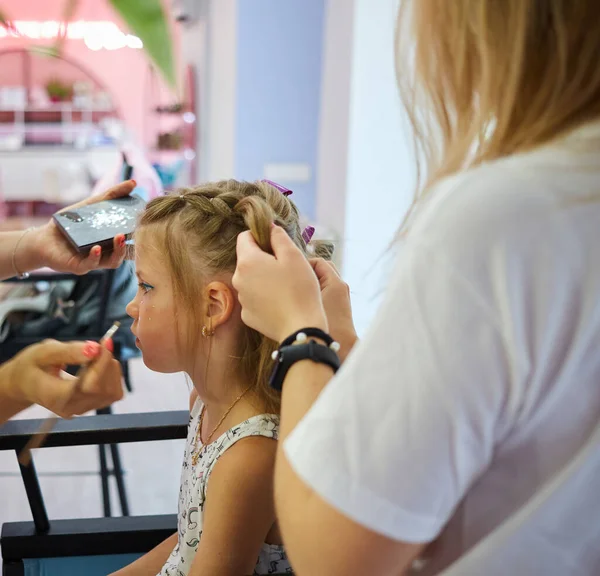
(287, 356)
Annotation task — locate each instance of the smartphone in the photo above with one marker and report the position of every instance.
(97, 224)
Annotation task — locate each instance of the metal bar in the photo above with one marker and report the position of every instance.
(125, 370)
(94, 430)
(34, 496)
(105, 287)
(13, 568)
(86, 536)
(104, 482)
(119, 478)
(117, 470)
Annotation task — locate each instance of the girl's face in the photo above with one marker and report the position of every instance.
(153, 310)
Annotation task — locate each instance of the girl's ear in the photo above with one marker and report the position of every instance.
(221, 303)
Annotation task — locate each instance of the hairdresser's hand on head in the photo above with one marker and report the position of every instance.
(279, 293)
(335, 294)
(46, 246)
(35, 376)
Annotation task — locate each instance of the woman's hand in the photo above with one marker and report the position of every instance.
(47, 246)
(279, 293)
(35, 376)
(335, 295)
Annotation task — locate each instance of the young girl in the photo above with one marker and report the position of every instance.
(187, 318)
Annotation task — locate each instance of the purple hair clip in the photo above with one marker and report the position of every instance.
(307, 234)
(285, 191)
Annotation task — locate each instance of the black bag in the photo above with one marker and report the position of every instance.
(74, 308)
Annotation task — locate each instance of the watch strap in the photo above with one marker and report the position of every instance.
(287, 356)
(308, 332)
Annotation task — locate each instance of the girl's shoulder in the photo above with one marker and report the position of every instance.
(255, 455)
(266, 425)
(256, 434)
(251, 439)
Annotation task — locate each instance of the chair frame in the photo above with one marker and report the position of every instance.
(42, 538)
(14, 346)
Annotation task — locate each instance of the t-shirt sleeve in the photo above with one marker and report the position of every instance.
(396, 439)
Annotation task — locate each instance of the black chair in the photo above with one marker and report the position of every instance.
(13, 346)
(66, 541)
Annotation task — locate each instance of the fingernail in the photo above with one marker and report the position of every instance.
(109, 345)
(122, 241)
(133, 182)
(97, 250)
(91, 349)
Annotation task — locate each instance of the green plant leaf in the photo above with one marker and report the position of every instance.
(147, 20)
(68, 12)
(46, 51)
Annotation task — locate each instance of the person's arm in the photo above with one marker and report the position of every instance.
(151, 563)
(335, 295)
(318, 538)
(312, 529)
(8, 243)
(373, 463)
(35, 376)
(28, 250)
(239, 510)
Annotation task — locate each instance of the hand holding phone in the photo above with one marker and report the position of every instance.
(97, 224)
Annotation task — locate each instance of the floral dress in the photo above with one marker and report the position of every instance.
(192, 494)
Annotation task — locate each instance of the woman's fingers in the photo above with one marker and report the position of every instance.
(118, 191)
(283, 246)
(117, 256)
(53, 392)
(99, 385)
(107, 385)
(100, 379)
(325, 271)
(55, 353)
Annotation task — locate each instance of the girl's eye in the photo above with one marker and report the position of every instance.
(145, 287)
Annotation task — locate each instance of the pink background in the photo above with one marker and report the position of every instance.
(124, 73)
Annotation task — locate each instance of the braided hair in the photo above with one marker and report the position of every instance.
(198, 229)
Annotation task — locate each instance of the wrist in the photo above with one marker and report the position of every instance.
(29, 252)
(314, 321)
(347, 339)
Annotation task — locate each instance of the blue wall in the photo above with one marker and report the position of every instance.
(279, 50)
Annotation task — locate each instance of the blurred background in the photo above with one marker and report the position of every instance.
(302, 92)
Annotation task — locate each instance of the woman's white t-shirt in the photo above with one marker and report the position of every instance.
(471, 409)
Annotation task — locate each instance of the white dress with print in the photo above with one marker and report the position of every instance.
(192, 494)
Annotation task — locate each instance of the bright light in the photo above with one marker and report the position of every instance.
(97, 35)
(49, 29)
(134, 42)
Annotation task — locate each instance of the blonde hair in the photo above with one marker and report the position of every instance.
(199, 229)
(483, 79)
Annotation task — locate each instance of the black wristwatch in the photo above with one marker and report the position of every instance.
(288, 355)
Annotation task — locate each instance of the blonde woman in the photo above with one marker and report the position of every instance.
(469, 416)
